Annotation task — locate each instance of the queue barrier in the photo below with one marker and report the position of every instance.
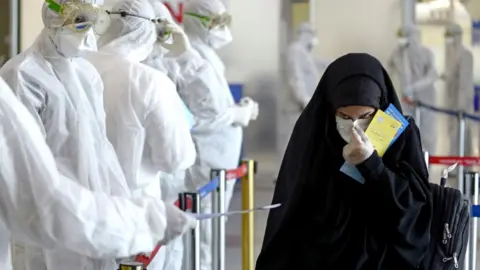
(190, 202)
(461, 116)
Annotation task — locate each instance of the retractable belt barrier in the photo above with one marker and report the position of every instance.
(191, 202)
(462, 116)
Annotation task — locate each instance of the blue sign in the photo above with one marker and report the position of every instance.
(476, 32)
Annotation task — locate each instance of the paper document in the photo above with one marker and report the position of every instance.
(381, 131)
(239, 212)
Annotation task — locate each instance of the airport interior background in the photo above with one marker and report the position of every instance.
(255, 63)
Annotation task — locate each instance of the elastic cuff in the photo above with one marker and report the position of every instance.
(372, 167)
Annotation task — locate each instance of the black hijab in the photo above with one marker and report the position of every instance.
(326, 218)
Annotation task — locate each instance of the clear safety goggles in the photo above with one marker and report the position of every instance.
(210, 22)
(163, 28)
(80, 16)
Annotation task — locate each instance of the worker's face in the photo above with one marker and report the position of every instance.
(313, 42)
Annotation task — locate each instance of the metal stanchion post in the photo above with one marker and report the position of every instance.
(248, 219)
(467, 191)
(131, 266)
(471, 180)
(187, 238)
(426, 156)
(191, 241)
(218, 224)
(418, 112)
(461, 150)
(196, 233)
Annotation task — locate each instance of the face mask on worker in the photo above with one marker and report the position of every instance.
(344, 126)
(73, 44)
(449, 40)
(219, 37)
(402, 41)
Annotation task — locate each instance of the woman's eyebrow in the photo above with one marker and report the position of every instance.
(367, 114)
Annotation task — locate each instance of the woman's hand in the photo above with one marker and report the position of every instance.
(359, 148)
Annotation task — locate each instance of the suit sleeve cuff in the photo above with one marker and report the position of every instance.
(372, 167)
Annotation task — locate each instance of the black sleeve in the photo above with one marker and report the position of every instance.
(402, 195)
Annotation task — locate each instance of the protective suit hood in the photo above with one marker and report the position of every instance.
(453, 35)
(216, 37)
(306, 36)
(130, 36)
(67, 42)
(161, 12)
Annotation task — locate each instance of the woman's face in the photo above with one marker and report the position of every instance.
(347, 117)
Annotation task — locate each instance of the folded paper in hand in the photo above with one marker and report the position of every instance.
(202, 216)
(382, 132)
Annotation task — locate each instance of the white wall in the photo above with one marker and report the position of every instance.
(255, 48)
(253, 59)
(347, 26)
(30, 22)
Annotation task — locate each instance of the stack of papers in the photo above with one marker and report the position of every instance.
(382, 132)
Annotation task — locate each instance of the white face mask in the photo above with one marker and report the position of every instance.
(402, 41)
(73, 44)
(344, 126)
(449, 40)
(219, 37)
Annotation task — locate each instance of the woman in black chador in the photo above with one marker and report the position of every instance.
(329, 221)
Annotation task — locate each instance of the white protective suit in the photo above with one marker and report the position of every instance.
(44, 208)
(415, 66)
(143, 110)
(181, 69)
(218, 130)
(64, 94)
(303, 73)
(459, 85)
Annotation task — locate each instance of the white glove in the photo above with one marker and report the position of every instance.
(359, 148)
(255, 109)
(180, 42)
(178, 223)
(242, 114)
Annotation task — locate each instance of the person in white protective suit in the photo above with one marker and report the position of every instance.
(219, 121)
(145, 120)
(303, 72)
(459, 84)
(63, 92)
(174, 57)
(42, 207)
(415, 65)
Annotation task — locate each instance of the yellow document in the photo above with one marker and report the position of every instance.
(381, 131)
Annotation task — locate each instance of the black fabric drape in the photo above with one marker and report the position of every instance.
(330, 221)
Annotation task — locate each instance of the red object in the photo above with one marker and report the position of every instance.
(178, 16)
(464, 161)
(236, 173)
(230, 175)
